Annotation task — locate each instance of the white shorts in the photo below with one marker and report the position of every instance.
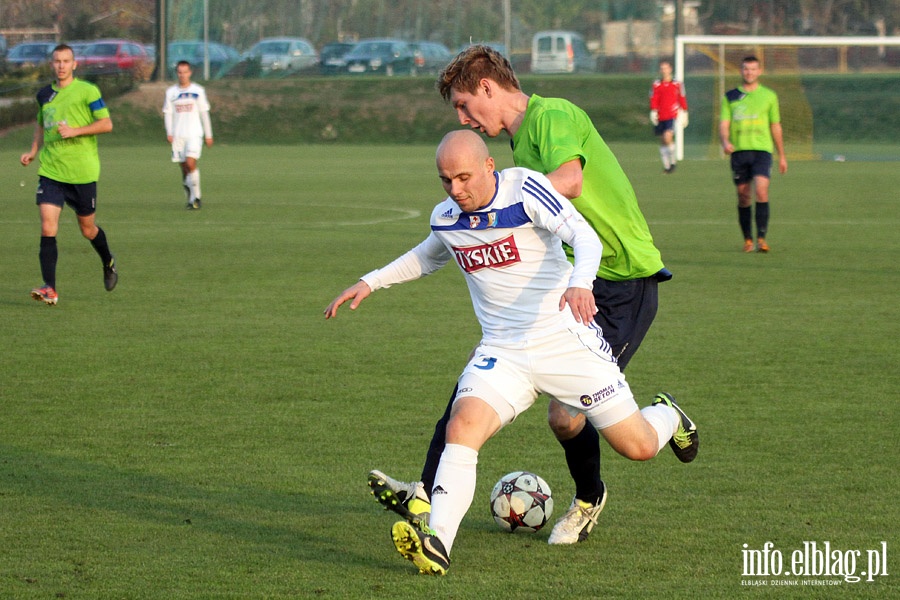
(573, 367)
(183, 148)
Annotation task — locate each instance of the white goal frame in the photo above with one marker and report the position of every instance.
(755, 41)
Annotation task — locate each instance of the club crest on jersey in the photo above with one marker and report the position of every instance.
(494, 255)
(475, 221)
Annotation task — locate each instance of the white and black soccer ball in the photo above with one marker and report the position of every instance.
(521, 501)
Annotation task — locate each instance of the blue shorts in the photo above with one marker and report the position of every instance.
(747, 164)
(82, 197)
(664, 126)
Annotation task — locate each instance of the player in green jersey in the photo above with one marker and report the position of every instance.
(555, 137)
(750, 129)
(71, 114)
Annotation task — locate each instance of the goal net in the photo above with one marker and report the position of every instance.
(822, 85)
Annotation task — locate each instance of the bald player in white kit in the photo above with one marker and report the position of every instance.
(505, 232)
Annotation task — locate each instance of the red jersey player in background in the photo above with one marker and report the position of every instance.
(667, 103)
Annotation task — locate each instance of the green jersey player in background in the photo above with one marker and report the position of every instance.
(71, 114)
(556, 138)
(749, 129)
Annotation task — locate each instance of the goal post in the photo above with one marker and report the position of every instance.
(709, 65)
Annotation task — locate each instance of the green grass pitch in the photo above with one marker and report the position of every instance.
(203, 432)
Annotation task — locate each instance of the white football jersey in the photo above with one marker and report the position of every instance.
(511, 256)
(186, 112)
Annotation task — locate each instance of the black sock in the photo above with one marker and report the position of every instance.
(583, 458)
(436, 448)
(48, 255)
(100, 245)
(745, 218)
(762, 219)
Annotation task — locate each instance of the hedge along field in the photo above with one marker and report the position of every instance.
(846, 109)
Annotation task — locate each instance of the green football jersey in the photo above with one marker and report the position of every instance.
(555, 131)
(73, 160)
(751, 115)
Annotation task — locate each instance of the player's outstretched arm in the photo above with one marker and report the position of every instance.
(357, 293)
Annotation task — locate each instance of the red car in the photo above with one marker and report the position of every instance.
(116, 56)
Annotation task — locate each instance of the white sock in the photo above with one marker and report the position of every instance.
(672, 159)
(664, 156)
(454, 488)
(193, 182)
(664, 420)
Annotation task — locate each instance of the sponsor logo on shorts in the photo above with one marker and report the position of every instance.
(599, 397)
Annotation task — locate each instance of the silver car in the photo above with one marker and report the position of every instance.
(284, 55)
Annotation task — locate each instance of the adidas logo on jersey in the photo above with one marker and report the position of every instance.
(448, 214)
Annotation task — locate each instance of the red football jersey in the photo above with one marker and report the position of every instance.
(667, 97)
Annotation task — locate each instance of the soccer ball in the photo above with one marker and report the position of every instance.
(521, 501)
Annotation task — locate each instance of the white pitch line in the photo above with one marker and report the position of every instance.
(399, 215)
(404, 214)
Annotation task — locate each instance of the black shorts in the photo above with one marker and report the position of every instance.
(82, 197)
(664, 126)
(747, 164)
(626, 311)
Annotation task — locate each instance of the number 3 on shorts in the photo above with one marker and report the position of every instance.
(486, 363)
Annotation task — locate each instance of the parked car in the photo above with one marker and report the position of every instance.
(221, 57)
(115, 57)
(560, 52)
(386, 56)
(332, 57)
(430, 57)
(28, 55)
(283, 55)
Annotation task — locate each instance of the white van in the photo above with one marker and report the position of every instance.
(560, 52)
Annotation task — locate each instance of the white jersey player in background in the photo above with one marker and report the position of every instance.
(504, 231)
(186, 115)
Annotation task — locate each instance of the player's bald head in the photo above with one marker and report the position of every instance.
(462, 144)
